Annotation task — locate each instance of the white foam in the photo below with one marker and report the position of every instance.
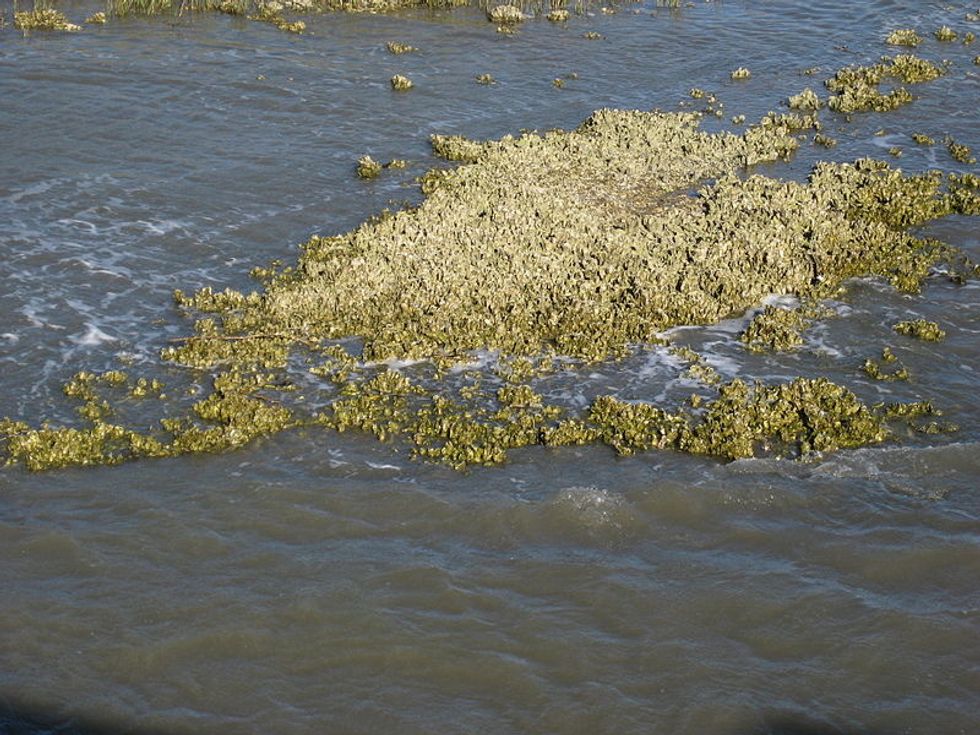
(161, 227)
(382, 466)
(93, 336)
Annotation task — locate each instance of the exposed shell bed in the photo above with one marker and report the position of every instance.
(555, 249)
(588, 241)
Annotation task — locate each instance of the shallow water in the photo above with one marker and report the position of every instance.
(317, 582)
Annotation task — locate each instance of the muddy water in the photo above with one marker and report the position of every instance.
(317, 582)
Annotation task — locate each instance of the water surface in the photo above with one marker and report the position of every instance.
(316, 582)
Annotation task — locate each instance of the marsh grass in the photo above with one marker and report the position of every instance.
(249, 8)
(380, 6)
(256, 10)
(123, 8)
(44, 17)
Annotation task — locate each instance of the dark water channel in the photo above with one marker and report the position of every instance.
(324, 583)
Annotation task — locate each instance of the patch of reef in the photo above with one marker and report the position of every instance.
(552, 250)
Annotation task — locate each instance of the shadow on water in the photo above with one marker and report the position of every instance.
(18, 720)
(797, 725)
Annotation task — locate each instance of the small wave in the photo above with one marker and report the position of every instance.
(589, 514)
(161, 227)
(93, 336)
(925, 472)
(383, 466)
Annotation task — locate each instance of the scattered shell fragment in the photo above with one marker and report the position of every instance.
(903, 37)
(959, 152)
(368, 168)
(400, 83)
(921, 329)
(807, 100)
(504, 14)
(856, 88)
(873, 368)
(394, 47)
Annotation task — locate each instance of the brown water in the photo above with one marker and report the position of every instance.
(327, 583)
